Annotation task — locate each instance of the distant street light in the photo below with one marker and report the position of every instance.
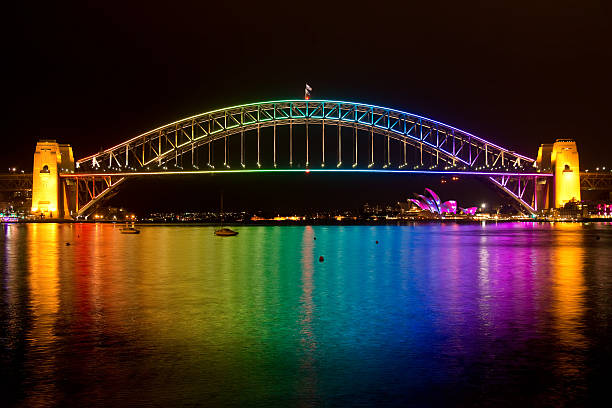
(483, 205)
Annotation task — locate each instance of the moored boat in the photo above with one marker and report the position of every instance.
(225, 232)
(129, 229)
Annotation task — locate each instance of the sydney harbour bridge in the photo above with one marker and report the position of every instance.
(301, 136)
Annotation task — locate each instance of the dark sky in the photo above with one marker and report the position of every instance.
(516, 73)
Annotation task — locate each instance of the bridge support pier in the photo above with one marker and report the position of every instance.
(562, 159)
(52, 197)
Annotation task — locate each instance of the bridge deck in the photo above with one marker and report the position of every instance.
(596, 181)
(302, 170)
(15, 182)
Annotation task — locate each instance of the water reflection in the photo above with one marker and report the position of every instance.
(43, 257)
(431, 315)
(308, 382)
(568, 288)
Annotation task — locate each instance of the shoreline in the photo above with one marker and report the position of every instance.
(310, 222)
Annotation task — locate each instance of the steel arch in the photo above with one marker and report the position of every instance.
(457, 149)
(455, 146)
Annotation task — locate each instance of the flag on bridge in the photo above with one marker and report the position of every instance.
(307, 92)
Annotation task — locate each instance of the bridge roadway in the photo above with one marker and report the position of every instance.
(302, 170)
(9, 182)
(601, 181)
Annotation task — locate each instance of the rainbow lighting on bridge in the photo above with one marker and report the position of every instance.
(295, 136)
(305, 171)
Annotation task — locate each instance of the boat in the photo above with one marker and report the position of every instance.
(224, 232)
(129, 229)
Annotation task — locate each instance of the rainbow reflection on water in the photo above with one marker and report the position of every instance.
(434, 314)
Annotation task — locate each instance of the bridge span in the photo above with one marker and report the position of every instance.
(300, 136)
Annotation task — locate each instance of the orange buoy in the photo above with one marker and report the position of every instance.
(321, 258)
(376, 242)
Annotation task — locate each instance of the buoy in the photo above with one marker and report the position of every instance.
(377, 242)
(321, 258)
(315, 238)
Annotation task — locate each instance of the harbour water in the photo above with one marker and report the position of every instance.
(431, 315)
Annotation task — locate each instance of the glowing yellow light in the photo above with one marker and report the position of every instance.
(566, 169)
(48, 196)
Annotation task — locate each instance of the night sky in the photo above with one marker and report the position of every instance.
(93, 74)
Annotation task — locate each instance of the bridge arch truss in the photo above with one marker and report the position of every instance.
(452, 149)
(164, 144)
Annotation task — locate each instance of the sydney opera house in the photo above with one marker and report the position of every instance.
(430, 202)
